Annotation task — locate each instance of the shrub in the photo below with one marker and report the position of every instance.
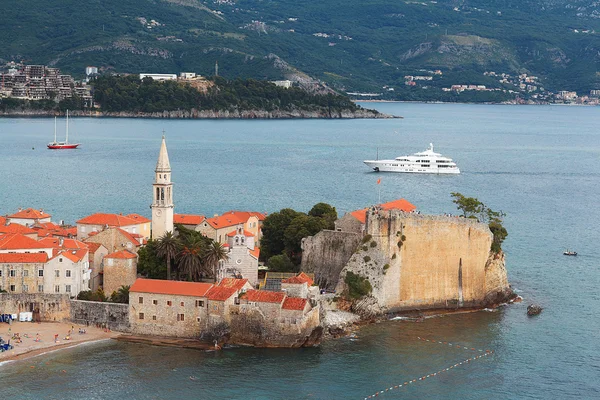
(373, 244)
(400, 244)
(367, 238)
(367, 259)
(386, 267)
(358, 286)
(403, 238)
(394, 256)
(281, 263)
(365, 248)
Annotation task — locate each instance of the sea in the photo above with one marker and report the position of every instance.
(538, 164)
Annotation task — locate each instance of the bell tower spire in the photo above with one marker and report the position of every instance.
(162, 194)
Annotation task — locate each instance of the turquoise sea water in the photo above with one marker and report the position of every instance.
(539, 164)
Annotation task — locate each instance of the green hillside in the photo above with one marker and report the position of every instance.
(351, 45)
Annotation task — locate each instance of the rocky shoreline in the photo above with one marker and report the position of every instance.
(209, 114)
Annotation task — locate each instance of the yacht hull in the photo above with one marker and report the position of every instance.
(385, 166)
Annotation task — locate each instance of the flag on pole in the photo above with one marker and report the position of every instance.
(378, 181)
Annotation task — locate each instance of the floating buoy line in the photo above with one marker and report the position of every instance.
(483, 353)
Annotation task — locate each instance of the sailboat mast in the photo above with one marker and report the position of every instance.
(54, 129)
(67, 138)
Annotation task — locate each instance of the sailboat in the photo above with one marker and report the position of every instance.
(62, 145)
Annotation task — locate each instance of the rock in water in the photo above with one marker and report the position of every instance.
(533, 309)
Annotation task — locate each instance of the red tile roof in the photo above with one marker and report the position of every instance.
(2, 220)
(264, 296)
(294, 303)
(255, 253)
(218, 293)
(401, 204)
(17, 241)
(299, 279)
(232, 218)
(160, 286)
(93, 247)
(73, 255)
(23, 258)
(30, 213)
(108, 219)
(121, 254)
(130, 237)
(140, 219)
(15, 228)
(70, 244)
(235, 283)
(235, 232)
(188, 219)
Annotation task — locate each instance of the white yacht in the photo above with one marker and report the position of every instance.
(426, 162)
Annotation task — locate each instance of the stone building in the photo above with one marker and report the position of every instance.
(242, 261)
(297, 286)
(133, 224)
(120, 269)
(218, 227)
(96, 255)
(162, 195)
(355, 221)
(67, 272)
(29, 216)
(269, 303)
(222, 297)
(115, 239)
(22, 272)
(168, 308)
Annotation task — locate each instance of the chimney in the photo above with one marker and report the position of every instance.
(60, 241)
(216, 215)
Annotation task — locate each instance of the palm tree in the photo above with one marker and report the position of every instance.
(168, 247)
(214, 253)
(121, 295)
(189, 260)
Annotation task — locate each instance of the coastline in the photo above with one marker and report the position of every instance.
(29, 348)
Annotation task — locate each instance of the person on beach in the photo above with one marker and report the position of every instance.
(37, 337)
(56, 338)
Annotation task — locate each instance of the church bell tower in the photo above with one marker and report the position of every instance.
(162, 194)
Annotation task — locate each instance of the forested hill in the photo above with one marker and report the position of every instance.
(352, 45)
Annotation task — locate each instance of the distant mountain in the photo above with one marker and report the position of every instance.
(356, 46)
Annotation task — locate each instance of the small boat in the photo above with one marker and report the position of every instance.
(426, 162)
(569, 253)
(62, 145)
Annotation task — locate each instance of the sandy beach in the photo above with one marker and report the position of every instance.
(29, 331)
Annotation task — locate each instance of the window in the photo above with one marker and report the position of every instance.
(68, 273)
(25, 288)
(40, 288)
(12, 288)
(155, 302)
(141, 316)
(83, 229)
(68, 288)
(198, 319)
(56, 273)
(56, 288)
(0, 272)
(60, 259)
(154, 318)
(236, 300)
(13, 272)
(25, 272)
(169, 303)
(41, 273)
(182, 304)
(141, 300)
(180, 317)
(199, 303)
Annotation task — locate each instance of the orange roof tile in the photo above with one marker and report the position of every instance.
(188, 219)
(160, 286)
(121, 254)
(23, 258)
(73, 255)
(17, 241)
(218, 293)
(93, 247)
(294, 303)
(2, 220)
(108, 219)
(15, 228)
(130, 237)
(255, 252)
(140, 219)
(400, 204)
(246, 233)
(30, 213)
(235, 283)
(299, 279)
(70, 244)
(232, 218)
(264, 296)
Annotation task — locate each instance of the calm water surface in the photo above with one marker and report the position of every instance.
(539, 164)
